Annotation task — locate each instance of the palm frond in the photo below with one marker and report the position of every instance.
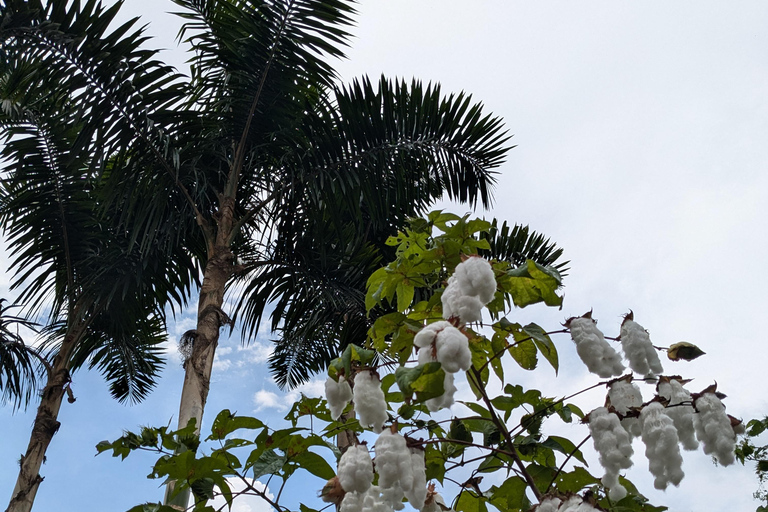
(20, 365)
(519, 243)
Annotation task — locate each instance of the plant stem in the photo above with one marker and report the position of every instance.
(503, 429)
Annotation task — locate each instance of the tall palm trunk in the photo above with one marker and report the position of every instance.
(210, 318)
(45, 426)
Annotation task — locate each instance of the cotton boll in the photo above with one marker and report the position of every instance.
(356, 469)
(456, 304)
(599, 357)
(417, 495)
(373, 501)
(661, 446)
(475, 277)
(426, 356)
(713, 429)
(445, 400)
(550, 504)
(352, 502)
(370, 405)
(624, 396)
(638, 349)
(576, 504)
(338, 394)
(428, 334)
(614, 446)
(453, 350)
(682, 415)
(393, 462)
(393, 497)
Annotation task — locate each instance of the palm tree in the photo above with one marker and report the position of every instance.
(269, 172)
(101, 294)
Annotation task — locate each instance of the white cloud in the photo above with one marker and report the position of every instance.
(283, 401)
(245, 502)
(268, 400)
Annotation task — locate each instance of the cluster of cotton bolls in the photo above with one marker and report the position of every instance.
(602, 359)
(672, 419)
(573, 504)
(402, 474)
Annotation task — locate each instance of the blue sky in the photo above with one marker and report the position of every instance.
(641, 132)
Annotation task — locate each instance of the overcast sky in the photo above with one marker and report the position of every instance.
(641, 132)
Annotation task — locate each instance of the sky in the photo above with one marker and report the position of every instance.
(640, 132)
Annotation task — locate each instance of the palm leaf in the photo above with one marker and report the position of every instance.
(19, 363)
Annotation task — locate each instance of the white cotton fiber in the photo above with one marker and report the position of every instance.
(444, 401)
(393, 462)
(417, 495)
(370, 405)
(338, 394)
(614, 446)
(661, 446)
(713, 429)
(471, 287)
(453, 350)
(356, 469)
(638, 349)
(680, 410)
(549, 504)
(599, 357)
(475, 277)
(428, 334)
(624, 396)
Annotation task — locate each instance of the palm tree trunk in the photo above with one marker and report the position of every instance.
(45, 426)
(210, 318)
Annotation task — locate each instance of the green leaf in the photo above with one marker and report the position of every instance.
(435, 463)
(510, 495)
(404, 295)
(202, 488)
(565, 446)
(532, 283)
(574, 481)
(315, 464)
(268, 463)
(304, 508)
(524, 352)
(425, 381)
(226, 423)
(459, 431)
(469, 501)
(544, 344)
